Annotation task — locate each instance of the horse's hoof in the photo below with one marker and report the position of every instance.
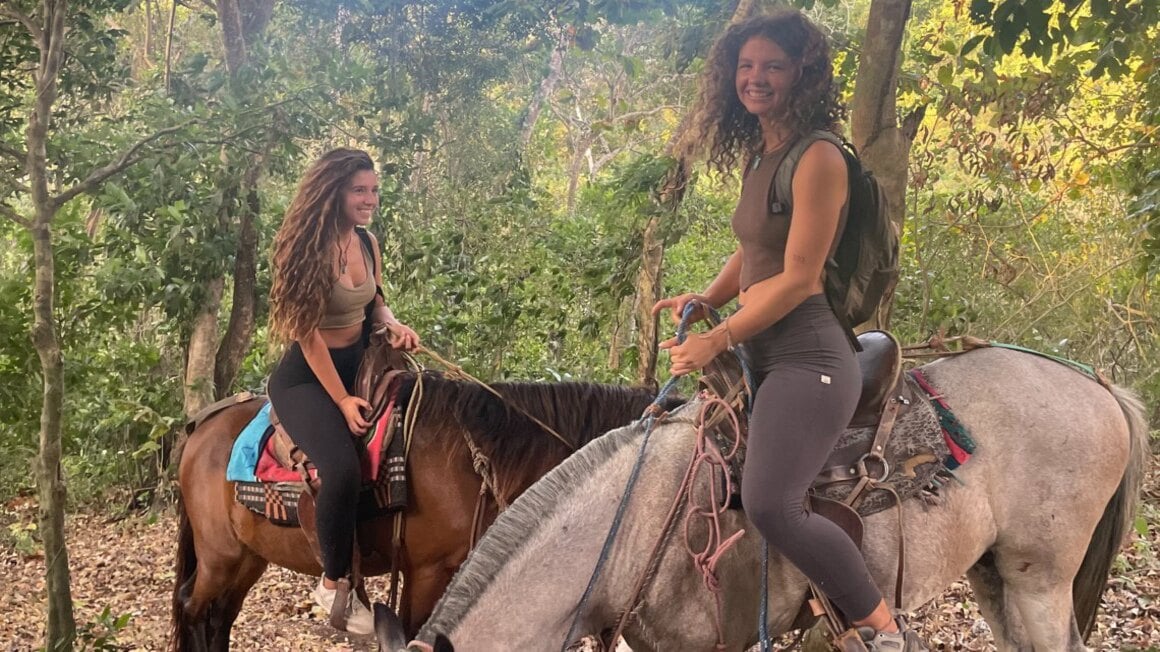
(389, 630)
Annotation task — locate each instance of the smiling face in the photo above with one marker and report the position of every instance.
(765, 76)
(360, 198)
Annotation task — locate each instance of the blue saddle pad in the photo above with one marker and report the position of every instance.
(248, 447)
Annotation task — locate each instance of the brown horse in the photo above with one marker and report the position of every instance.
(223, 547)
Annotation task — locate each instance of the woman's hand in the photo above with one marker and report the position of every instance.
(402, 336)
(698, 350)
(677, 305)
(352, 410)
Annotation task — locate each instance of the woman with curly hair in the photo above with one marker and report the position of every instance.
(326, 284)
(769, 83)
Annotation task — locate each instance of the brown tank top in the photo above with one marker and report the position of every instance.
(347, 306)
(761, 233)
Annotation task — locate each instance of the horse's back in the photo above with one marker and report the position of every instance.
(1052, 446)
(215, 436)
(206, 493)
(1034, 414)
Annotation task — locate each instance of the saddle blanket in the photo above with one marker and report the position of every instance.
(252, 458)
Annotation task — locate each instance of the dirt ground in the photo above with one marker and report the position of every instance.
(126, 567)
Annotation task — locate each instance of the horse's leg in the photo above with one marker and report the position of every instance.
(218, 590)
(422, 588)
(996, 606)
(226, 567)
(1040, 585)
(228, 605)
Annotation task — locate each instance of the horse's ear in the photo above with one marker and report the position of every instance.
(443, 644)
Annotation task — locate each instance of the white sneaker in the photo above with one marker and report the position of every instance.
(359, 619)
(904, 640)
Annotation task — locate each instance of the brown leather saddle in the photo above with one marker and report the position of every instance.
(381, 366)
(883, 399)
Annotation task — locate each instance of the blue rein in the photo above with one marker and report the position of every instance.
(649, 417)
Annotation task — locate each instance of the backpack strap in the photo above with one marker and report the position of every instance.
(365, 238)
(781, 190)
(781, 193)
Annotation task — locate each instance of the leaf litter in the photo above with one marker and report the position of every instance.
(126, 568)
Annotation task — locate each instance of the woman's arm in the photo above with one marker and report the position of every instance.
(720, 292)
(820, 187)
(317, 355)
(400, 335)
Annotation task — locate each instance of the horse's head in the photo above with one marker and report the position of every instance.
(442, 644)
(389, 632)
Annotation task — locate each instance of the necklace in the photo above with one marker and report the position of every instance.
(342, 252)
(766, 151)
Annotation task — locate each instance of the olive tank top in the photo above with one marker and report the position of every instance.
(347, 306)
(761, 233)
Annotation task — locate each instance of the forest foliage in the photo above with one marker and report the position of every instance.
(520, 145)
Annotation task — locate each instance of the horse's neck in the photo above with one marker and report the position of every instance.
(582, 412)
(548, 544)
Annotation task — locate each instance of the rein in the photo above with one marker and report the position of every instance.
(455, 370)
(651, 414)
(705, 455)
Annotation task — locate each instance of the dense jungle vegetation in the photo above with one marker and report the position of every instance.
(149, 147)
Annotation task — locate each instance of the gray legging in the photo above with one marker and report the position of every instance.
(316, 425)
(809, 383)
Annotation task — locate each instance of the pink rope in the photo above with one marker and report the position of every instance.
(708, 458)
(705, 456)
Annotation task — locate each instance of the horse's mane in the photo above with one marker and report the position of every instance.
(509, 534)
(515, 444)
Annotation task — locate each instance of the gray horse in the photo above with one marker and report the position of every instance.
(1045, 500)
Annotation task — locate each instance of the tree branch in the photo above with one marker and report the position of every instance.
(13, 152)
(10, 213)
(13, 184)
(128, 158)
(27, 21)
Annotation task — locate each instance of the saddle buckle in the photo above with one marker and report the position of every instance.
(872, 459)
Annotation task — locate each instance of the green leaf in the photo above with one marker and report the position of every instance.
(971, 44)
(946, 74)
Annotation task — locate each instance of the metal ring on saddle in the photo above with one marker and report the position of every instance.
(874, 458)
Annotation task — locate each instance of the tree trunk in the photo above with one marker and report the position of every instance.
(61, 625)
(648, 292)
(649, 280)
(49, 474)
(416, 183)
(584, 143)
(148, 45)
(236, 341)
(169, 42)
(210, 375)
(882, 145)
(546, 88)
(199, 365)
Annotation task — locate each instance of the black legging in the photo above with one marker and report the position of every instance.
(808, 390)
(316, 425)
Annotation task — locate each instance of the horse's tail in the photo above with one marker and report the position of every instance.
(1092, 578)
(186, 569)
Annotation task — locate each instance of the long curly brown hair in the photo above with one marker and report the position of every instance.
(732, 133)
(303, 247)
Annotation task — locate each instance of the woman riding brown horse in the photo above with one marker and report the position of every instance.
(223, 547)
